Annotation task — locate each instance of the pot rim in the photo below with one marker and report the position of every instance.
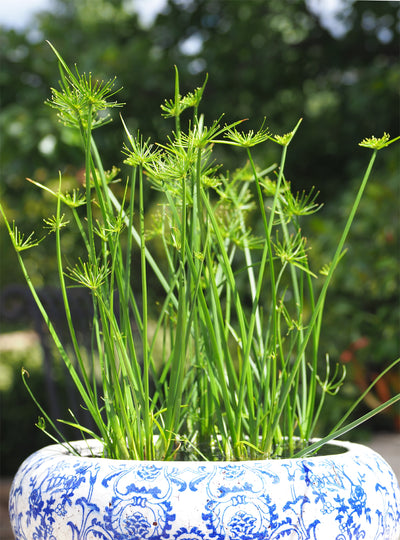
(88, 447)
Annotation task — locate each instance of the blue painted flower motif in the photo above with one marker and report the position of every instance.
(193, 534)
(241, 525)
(42, 532)
(358, 499)
(231, 472)
(328, 508)
(137, 526)
(35, 503)
(149, 472)
(60, 510)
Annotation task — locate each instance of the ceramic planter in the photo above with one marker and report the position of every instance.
(351, 495)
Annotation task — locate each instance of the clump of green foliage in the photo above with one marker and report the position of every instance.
(232, 360)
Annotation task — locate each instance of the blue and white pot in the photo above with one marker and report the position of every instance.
(351, 495)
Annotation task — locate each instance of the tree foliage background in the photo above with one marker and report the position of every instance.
(264, 59)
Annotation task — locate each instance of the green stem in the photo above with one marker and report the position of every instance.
(322, 295)
(146, 364)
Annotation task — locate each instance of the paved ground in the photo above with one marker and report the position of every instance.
(5, 529)
(388, 445)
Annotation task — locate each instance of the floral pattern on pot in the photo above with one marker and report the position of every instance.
(351, 495)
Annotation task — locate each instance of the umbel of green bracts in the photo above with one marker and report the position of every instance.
(229, 360)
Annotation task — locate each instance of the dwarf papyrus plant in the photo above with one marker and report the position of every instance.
(228, 362)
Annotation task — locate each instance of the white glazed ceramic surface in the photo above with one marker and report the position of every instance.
(353, 495)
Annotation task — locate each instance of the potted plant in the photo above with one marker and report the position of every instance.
(205, 402)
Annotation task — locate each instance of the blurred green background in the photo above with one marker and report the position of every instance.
(279, 60)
